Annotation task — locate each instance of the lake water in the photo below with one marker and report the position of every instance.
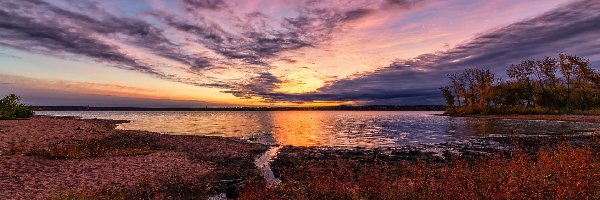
(330, 128)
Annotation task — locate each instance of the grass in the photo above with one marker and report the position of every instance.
(115, 145)
(169, 185)
(563, 172)
(157, 187)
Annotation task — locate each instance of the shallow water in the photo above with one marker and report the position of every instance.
(330, 128)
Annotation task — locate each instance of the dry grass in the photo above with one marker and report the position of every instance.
(166, 186)
(563, 172)
(123, 144)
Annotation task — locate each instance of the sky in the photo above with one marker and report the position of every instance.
(197, 53)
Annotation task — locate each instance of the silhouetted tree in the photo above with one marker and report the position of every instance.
(448, 96)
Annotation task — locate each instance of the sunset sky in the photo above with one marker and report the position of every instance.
(196, 53)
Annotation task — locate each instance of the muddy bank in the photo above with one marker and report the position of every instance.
(47, 157)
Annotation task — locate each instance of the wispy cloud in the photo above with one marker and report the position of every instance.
(200, 38)
(572, 28)
(86, 29)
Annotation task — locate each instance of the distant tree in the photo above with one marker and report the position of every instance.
(484, 80)
(458, 85)
(11, 108)
(568, 71)
(471, 94)
(448, 96)
(523, 73)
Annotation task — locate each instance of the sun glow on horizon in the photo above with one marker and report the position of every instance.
(271, 53)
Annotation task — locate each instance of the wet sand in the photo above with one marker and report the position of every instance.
(46, 157)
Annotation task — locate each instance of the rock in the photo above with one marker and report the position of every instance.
(79, 128)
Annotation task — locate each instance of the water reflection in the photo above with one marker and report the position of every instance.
(331, 128)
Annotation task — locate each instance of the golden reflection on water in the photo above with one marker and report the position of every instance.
(317, 128)
(299, 129)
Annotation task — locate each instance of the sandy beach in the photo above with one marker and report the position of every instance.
(53, 157)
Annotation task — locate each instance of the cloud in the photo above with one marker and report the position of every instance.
(572, 28)
(54, 97)
(250, 42)
(199, 5)
(40, 27)
(260, 38)
(261, 85)
(402, 4)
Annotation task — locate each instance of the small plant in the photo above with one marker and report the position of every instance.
(12, 108)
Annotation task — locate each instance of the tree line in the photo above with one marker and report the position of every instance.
(563, 84)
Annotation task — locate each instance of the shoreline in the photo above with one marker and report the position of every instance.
(570, 118)
(63, 157)
(71, 157)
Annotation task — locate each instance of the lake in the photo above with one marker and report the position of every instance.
(330, 128)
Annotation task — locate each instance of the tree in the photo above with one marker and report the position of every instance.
(522, 73)
(11, 108)
(448, 96)
(568, 70)
(551, 84)
(458, 85)
(484, 85)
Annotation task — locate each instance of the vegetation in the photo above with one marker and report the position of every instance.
(563, 172)
(11, 108)
(110, 146)
(566, 84)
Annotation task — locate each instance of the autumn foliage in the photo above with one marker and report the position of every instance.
(564, 172)
(566, 84)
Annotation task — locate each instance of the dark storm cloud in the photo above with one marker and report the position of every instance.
(573, 28)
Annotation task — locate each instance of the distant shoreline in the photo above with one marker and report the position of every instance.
(327, 108)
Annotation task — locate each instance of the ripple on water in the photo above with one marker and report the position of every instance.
(333, 128)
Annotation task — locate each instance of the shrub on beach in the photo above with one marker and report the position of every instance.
(12, 108)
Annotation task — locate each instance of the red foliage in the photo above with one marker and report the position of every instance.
(564, 172)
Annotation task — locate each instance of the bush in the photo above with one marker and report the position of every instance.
(24, 112)
(11, 108)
